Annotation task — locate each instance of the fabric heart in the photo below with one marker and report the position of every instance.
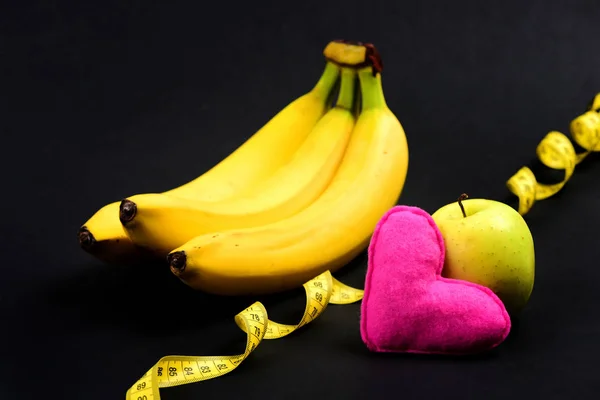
(409, 307)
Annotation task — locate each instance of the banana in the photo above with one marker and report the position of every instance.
(109, 242)
(161, 223)
(267, 150)
(326, 235)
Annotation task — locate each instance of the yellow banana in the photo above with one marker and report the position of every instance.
(271, 147)
(161, 223)
(324, 236)
(107, 240)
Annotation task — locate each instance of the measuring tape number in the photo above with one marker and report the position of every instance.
(254, 321)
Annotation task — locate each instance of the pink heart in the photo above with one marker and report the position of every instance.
(409, 307)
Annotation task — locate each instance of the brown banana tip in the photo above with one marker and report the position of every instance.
(127, 211)
(86, 239)
(373, 58)
(177, 262)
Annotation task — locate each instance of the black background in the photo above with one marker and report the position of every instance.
(107, 99)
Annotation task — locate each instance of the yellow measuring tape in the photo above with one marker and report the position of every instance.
(254, 321)
(556, 151)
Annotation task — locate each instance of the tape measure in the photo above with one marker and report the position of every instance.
(254, 321)
(556, 151)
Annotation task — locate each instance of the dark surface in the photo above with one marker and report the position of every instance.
(107, 100)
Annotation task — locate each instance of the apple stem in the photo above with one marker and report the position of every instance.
(462, 197)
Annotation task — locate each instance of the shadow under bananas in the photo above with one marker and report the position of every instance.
(133, 296)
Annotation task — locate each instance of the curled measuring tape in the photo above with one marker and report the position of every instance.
(556, 151)
(254, 321)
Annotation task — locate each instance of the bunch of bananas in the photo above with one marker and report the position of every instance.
(300, 197)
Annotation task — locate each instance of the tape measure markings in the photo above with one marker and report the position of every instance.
(179, 370)
(556, 151)
(344, 294)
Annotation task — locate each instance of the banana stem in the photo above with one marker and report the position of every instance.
(327, 80)
(346, 96)
(371, 89)
(357, 101)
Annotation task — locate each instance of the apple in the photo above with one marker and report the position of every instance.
(489, 243)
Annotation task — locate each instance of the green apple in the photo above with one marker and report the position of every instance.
(489, 243)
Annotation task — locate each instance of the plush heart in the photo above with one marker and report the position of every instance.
(409, 307)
